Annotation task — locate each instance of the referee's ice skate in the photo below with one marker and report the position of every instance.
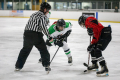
(17, 69)
(47, 69)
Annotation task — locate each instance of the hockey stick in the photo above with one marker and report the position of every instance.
(87, 65)
(54, 54)
(56, 51)
(89, 53)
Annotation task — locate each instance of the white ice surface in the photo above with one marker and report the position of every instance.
(11, 42)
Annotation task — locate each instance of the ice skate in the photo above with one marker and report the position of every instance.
(103, 72)
(93, 67)
(70, 60)
(17, 69)
(47, 69)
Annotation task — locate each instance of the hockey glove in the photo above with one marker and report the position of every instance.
(91, 47)
(58, 42)
(68, 33)
(61, 37)
(90, 31)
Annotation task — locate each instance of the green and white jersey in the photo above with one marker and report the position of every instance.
(54, 33)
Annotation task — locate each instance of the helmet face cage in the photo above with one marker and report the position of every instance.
(82, 25)
(81, 21)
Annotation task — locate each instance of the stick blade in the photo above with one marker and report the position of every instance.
(85, 64)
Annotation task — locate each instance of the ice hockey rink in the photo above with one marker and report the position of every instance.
(11, 42)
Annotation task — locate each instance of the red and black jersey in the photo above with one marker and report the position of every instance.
(92, 22)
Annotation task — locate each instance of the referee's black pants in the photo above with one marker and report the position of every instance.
(32, 38)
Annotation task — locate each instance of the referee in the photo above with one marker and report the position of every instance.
(33, 36)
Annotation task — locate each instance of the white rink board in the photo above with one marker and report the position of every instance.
(102, 16)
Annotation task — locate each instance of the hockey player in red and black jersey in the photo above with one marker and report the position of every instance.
(101, 38)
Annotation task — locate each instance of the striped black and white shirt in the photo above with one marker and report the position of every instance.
(37, 23)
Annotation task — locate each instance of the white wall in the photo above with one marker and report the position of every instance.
(4, 12)
(108, 16)
(102, 16)
(28, 13)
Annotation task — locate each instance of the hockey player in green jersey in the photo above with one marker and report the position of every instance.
(59, 31)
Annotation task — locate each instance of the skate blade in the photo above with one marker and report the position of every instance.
(86, 71)
(17, 69)
(86, 65)
(96, 69)
(70, 64)
(103, 75)
(89, 71)
(93, 70)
